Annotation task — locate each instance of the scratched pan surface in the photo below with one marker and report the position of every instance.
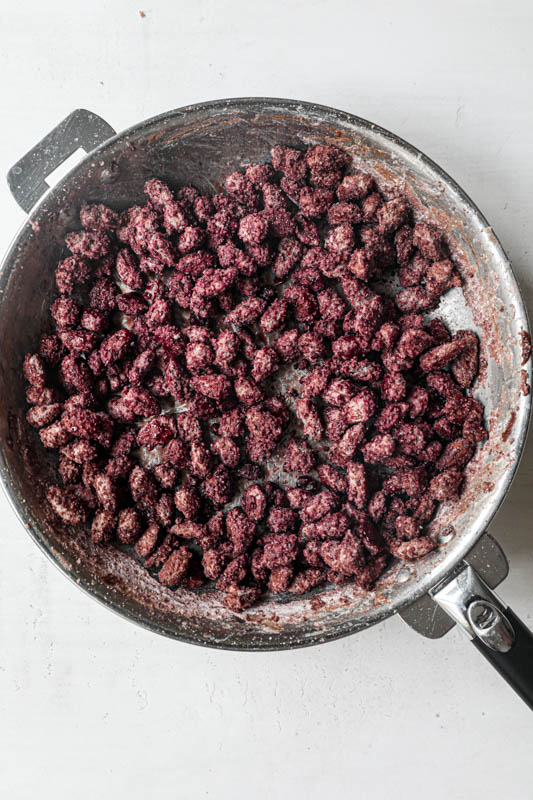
(201, 144)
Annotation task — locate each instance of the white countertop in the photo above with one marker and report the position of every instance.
(90, 705)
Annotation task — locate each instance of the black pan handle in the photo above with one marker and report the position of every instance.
(515, 665)
(495, 630)
(81, 129)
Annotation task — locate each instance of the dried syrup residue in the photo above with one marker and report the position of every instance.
(509, 427)
(525, 338)
(524, 387)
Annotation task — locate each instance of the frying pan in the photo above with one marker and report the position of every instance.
(200, 144)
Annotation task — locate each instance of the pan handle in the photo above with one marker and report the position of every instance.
(81, 129)
(494, 629)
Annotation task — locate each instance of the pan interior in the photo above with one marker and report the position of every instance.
(200, 145)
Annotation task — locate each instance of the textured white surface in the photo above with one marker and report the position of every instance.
(91, 706)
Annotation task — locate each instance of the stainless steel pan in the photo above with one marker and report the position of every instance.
(200, 144)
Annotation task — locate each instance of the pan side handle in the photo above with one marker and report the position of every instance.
(81, 129)
(494, 629)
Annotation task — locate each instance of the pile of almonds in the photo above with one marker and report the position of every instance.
(157, 384)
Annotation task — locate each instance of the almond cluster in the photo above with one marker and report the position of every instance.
(159, 382)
